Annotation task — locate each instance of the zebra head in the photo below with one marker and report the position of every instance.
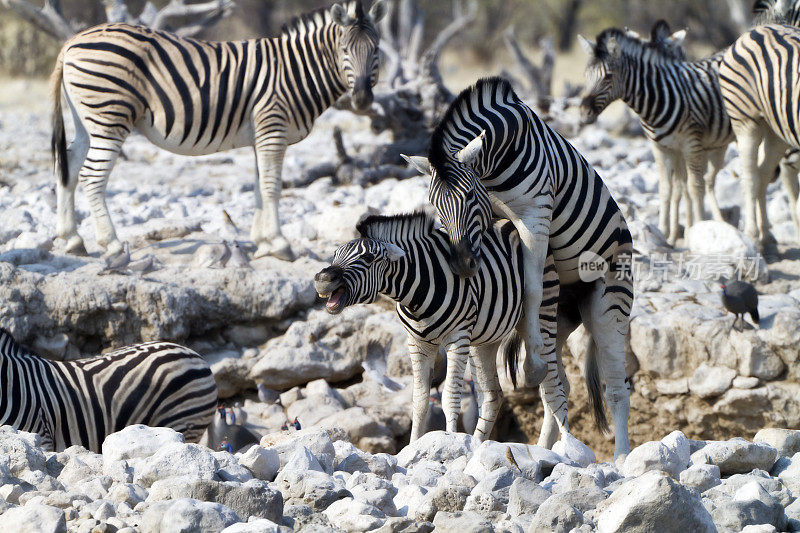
(358, 49)
(610, 58)
(461, 201)
(356, 273)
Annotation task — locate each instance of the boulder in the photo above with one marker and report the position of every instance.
(653, 455)
(710, 381)
(317, 441)
(261, 525)
(177, 460)
(137, 441)
(786, 441)
(750, 505)
(262, 462)
(22, 449)
(186, 514)
(736, 456)
(700, 477)
(463, 522)
(556, 517)
(718, 239)
(35, 518)
(353, 515)
(438, 446)
(652, 498)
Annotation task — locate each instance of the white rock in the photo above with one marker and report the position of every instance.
(786, 441)
(260, 525)
(177, 460)
(525, 497)
(34, 518)
(187, 514)
(736, 456)
(353, 515)
(317, 440)
(556, 517)
(22, 449)
(437, 446)
(653, 455)
(262, 462)
(652, 498)
(745, 382)
(672, 386)
(710, 381)
(678, 442)
(574, 450)
(719, 239)
(700, 477)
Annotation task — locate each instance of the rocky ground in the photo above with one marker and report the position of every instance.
(148, 479)
(263, 323)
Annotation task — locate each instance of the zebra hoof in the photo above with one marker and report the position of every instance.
(75, 246)
(277, 248)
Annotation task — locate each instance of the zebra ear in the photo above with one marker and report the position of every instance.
(678, 37)
(393, 252)
(470, 152)
(377, 11)
(586, 45)
(419, 162)
(340, 16)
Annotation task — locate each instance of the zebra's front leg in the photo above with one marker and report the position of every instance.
(457, 355)
(423, 356)
(696, 163)
(774, 150)
(716, 160)
(266, 231)
(484, 365)
(748, 139)
(788, 175)
(665, 182)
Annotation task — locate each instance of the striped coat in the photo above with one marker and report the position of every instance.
(81, 402)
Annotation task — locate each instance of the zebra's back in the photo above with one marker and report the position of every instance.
(158, 384)
(759, 79)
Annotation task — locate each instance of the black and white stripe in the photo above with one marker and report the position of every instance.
(777, 12)
(197, 97)
(679, 106)
(759, 77)
(405, 258)
(491, 151)
(80, 402)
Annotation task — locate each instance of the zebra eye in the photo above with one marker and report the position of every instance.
(368, 257)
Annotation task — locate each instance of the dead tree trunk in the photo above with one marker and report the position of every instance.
(194, 17)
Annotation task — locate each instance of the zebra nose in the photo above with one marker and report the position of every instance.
(327, 280)
(362, 94)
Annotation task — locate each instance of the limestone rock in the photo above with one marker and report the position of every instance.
(187, 514)
(736, 456)
(709, 381)
(35, 518)
(786, 441)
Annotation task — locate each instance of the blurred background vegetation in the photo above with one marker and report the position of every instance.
(712, 24)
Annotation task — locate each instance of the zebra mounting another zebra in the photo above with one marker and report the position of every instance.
(197, 97)
(405, 258)
(83, 401)
(679, 107)
(490, 155)
(758, 78)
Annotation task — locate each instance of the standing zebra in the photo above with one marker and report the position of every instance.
(83, 401)
(406, 259)
(491, 154)
(679, 106)
(759, 79)
(197, 97)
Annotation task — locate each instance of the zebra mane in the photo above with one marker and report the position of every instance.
(321, 16)
(387, 227)
(776, 12)
(657, 49)
(440, 151)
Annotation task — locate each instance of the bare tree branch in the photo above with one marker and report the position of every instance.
(49, 18)
(461, 19)
(211, 11)
(540, 78)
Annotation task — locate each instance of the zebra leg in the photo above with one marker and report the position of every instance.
(484, 363)
(665, 180)
(716, 160)
(457, 355)
(788, 174)
(748, 139)
(678, 191)
(423, 356)
(605, 313)
(266, 232)
(93, 177)
(696, 162)
(66, 224)
(774, 150)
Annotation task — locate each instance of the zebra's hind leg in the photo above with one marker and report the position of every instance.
(665, 183)
(696, 162)
(457, 355)
(774, 150)
(423, 356)
(266, 233)
(484, 364)
(748, 139)
(66, 223)
(788, 174)
(716, 160)
(93, 177)
(605, 313)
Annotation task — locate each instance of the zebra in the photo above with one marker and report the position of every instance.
(679, 106)
(197, 97)
(758, 76)
(491, 155)
(777, 12)
(405, 258)
(81, 402)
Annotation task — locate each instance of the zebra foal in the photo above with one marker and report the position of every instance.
(679, 107)
(83, 401)
(406, 259)
(196, 97)
(759, 76)
(490, 155)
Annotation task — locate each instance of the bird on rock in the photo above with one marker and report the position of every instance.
(739, 297)
(238, 257)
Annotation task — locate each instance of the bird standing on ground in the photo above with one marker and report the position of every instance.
(240, 415)
(227, 437)
(229, 223)
(230, 417)
(739, 297)
(119, 262)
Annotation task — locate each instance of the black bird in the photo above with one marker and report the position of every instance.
(739, 297)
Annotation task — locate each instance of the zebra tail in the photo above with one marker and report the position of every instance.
(58, 142)
(512, 350)
(591, 374)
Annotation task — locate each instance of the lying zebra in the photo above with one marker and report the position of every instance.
(405, 258)
(83, 401)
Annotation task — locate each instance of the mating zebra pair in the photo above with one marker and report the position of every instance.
(491, 156)
(81, 402)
